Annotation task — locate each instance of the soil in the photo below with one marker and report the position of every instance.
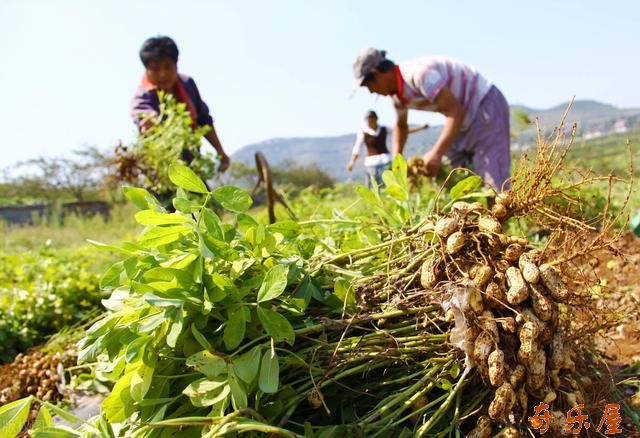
(620, 279)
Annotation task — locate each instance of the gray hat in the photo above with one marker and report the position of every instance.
(367, 60)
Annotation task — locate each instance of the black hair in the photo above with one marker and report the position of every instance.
(157, 48)
(371, 113)
(384, 66)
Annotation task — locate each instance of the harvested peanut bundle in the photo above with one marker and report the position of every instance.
(481, 275)
(543, 307)
(446, 226)
(530, 271)
(513, 252)
(508, 432)
(483, 428)
(455, 242)
(518, 290)
(499, 211)
(465, 208)
(429, 273)
(502, 403)
(495, 295)
(475, 301)
(528, 335)
(553, 283)
(496, 368)
(489, 224)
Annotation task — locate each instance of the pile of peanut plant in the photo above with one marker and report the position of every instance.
(170, 139)
(397, 316)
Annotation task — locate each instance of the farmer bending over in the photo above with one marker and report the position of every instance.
(160, 58)
(476, 130)
(374, 137)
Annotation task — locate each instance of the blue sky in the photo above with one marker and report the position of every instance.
(283, 68)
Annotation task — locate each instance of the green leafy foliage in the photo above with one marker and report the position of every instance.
(13, 416)
(40, 293)
(170, 138)
(186, 178)
(193, 287)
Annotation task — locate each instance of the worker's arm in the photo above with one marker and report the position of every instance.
(452, 109)
(352, 162)
(356, 150)
(144, 110)
(400, 131)
(212, 138)
(418, 128)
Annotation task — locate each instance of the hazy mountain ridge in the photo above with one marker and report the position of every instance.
(593, 118)
(332, 153)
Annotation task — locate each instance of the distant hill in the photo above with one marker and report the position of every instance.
(593, 118)
(332, 153)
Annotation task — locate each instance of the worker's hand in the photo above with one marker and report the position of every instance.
(224, 162)
(147, 122)
(350, 166)
(432, 162)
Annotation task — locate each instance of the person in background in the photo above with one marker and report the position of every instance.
(476, 130)
(374, 138)
(159, 55)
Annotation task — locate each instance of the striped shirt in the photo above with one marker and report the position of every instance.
(420, 81)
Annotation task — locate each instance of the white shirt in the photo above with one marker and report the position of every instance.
(371, 160)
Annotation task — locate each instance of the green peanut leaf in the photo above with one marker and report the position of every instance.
(235, 328)
(466, 186)
(213, 224)
(232, 198)
(150, 322)
(119, 405)
(207, 391)
(56, 432)
(157, 236)
(274, 283)
(138, 196)
(186, 205)
(393, 187)
(175, 328)
(13, 417)
(238, 392)
(150, 217)
(141, 381)
(211, 398)
(286, 228)
(104, 247)
(209, 364)
(63, 413)
(269, 372)
(141, 198)
(186, 178)
(276, 325)
(345, 292)
(157, 301)
(44, 419)
(204, 385)
(136, 348)
(247, 366)
(111, 278)
(200, 338)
